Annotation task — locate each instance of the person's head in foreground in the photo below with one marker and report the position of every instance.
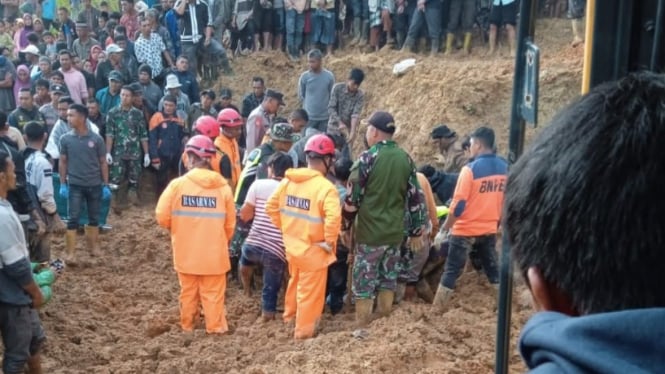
(584, 215)
(200, 150)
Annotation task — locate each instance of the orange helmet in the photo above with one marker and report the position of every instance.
(201, 146)
(321, 145)
(206, 125)
(229, 118)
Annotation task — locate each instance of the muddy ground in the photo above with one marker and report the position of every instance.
(119, 314)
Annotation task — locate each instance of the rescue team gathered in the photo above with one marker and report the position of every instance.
(258, 193)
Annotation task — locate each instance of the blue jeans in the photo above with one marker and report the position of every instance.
(323, 27)
(484, 245)
(278, 21)
(360, 9)
(93, 200)
(273, 273)
(295, 26)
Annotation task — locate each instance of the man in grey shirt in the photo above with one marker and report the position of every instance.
(20, 328)
(84, 174)
(314, 89)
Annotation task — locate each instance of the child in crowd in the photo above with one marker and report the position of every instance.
(6, 39)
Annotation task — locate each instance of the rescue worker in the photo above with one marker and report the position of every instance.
(39, 173)
(306, 208)
(198, 210)
(231, 124)
(474, 214)
(450, 148)
(220, 163)
(409, 279)
(165, 139)
(382, 183)
(83, 177)
(256, 167)
(126, 137)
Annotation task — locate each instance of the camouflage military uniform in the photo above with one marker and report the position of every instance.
(382, 189)
(128, 130)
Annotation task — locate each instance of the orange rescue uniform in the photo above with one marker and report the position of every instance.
(198, 210)
(306, 207)
(478, 198)
(230, 148)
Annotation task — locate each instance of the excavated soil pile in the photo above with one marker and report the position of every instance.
(119, 313)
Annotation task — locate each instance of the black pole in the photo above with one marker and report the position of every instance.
(657, 37)
(525, 33)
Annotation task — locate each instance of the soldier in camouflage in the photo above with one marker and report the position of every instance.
(379, 190)
(126, 138)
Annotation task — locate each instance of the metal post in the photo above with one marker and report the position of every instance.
(525, 33)
(658, 37)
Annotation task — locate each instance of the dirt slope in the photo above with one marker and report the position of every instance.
(120, 314)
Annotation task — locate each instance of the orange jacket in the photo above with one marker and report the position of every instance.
(307, 209)
(229, 147)
(198, 209)
(478, 198)
(429, 200)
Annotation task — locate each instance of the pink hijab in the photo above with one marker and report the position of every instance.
(18, 83)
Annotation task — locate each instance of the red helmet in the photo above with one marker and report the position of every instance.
(201, 146)
(206, 125)
(320, 144)
(229, 118)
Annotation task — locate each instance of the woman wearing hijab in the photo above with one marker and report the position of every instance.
(21, 35)
(95, 50)
(22, 80)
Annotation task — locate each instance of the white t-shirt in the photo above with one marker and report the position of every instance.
(263, 233)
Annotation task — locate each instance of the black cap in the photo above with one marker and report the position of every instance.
(145, 68)
(273, 94)
(58, 88)
(225, 93)
(383, 121)
(442, 131)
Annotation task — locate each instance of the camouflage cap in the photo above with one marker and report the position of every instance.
(281, 132)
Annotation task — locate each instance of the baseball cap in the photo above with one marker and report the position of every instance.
(442, 131)
(281, 131)
(113, 48)
(274, 94)
(383, 121)
(31, 49)
(58, 88)
(115, 76)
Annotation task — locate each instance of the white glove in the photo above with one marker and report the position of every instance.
(109, 159)
(146, 161)
(325, 246)
(441, 237)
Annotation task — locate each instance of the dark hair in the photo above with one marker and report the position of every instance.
(104, 15)
(343, 169)
(279, 120)
(466, 142)
(41, 82)
(115, 15)
(128, 88)
(171, 99)
(128, 1)
(64, 9)
(300, 114)
(33, 38)
(259, 79)
(280, 162)
(58, 73)
(80, 109)
(485, 135)
(110, 26)
(315, 54)
(25, 89)
(65, 52)
(427, 170)
(584, 204)
(357, 75)
(120, 38)
(66, 100)
(92, 100)
(182, 57)
(103, 3)
(4, 157)
(210, 93)
(120, 29)
(34, 131)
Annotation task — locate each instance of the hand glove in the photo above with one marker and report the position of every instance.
(415, 243)
(106, 193)
(109, 159)
(64, 191)
(440, 237)
(146, 161)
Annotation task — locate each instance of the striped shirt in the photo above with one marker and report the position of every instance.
(263, 233)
